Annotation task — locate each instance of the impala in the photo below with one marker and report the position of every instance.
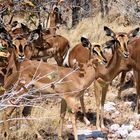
(42, 44)
(66, 82)
(120, 61)
(82, 53)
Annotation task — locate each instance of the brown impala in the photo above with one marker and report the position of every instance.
(122, 59)
(66, 82)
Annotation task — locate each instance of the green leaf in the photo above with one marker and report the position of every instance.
(52, 75)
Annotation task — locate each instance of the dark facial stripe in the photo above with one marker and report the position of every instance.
(103, 55)
(125, 47)
(20, 48)
(121, 35)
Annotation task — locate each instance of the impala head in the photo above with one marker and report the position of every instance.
(20, 29)
(57, 13)
(98, 53)
(121, 39)
(85, 42)
(35, 34)
(22, 48)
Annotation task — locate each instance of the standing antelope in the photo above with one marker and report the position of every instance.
(53, 19)
(66, 82)
(42, 44)
(122, 59)
(75, 57)
(81, 53)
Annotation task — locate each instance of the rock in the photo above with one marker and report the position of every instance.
(117, 113)
(111, 136)
(114, 127)
(137, 117)
(69, 125)
(134, 135)
(83, 134)
(100, 139)
(110, 106)
(128, 127)
(129, 104)
(134, 119)
(122, 132)
(86, 94)
(114, 115)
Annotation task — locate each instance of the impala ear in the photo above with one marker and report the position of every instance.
(4, 70)
(32, 37)
(85, 42)
(81, 65)
(4, 36)
(40, 27)
(134, 32)
(94, 50)
(109, 44)
(56, 10)
(25, 28)
(109, 32)
(14, 24)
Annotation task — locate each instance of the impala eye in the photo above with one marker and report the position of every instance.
(25, 46)
(14, 46)
(128, 41)
(94, 52)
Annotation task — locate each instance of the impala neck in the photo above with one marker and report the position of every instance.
(109, 72)
(12, 71)
(51, 20)
(88, 73)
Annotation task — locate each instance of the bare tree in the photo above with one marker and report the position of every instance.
(104, 8)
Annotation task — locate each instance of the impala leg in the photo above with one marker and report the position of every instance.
(104, 92)
(34, 129)
(98, 102)
(73, 119)
(137, 77)
(5, 129)
(6, 124)
(25, 112)
(59, 59)
(62, 115)
(84, 110)
(123, 75)
(72, 105)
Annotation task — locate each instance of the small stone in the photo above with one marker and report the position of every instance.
(111, 136)
(135, 134)
(69, 125)
(128, 103)
(122, 133)
(110, 106)
(100, 139)
(117, 112)
(129, 127)
(90, 133)
(86, 94)
(137, 116)
(114, 127)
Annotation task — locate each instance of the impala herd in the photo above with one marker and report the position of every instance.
(77, 67)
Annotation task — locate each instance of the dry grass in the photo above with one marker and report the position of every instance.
(93, 29)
